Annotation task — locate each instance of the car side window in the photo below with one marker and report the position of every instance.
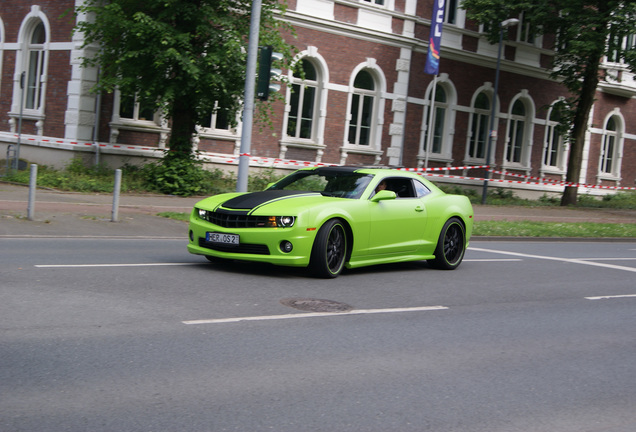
(403, 187)
(421, 190)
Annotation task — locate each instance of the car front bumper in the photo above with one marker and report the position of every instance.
(255, 244)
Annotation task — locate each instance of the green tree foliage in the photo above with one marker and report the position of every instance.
(183, 57)
(584, 32)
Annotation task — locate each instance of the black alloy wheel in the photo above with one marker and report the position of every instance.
(330, 249)
(451, 245)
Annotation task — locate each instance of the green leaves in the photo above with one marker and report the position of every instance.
(170, 51)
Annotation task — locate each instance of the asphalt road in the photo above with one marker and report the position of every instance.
(137, 335)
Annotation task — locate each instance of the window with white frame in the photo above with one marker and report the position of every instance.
(553, 149)
(377, 2)
(35, 67)
(450, 12)
(515, 144)
(302, 120)
(525, 33)
(618, 45)
(219, 121)
(363, 100)
(131, 109)
(610, 149)
(440, 109)
(479, 124)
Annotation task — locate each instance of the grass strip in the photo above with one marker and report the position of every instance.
(553, 229)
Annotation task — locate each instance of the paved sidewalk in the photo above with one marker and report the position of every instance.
(90, 215)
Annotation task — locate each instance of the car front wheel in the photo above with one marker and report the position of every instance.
(451, 245)
(329, 250)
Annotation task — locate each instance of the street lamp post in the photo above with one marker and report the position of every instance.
(492, 132)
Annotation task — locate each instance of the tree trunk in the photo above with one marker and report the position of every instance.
(183, 128)
(579, 128)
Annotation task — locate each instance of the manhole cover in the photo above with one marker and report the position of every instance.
(316, 305)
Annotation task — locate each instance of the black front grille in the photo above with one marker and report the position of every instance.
(245, 248)
(235, 220)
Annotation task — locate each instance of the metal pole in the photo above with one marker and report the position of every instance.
(16, 162)
(116, 190)
(33, 179)
(492, 133)
(248, 101)
(431, 118)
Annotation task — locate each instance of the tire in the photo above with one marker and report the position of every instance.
(330, 250)
(451, 245)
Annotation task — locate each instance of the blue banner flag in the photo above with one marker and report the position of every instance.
(435, 40)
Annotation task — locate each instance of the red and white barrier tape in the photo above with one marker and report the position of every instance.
(224, 158)
(443, 168)
(552, 182)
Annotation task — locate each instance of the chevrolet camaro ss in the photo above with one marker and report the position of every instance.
(329, 218)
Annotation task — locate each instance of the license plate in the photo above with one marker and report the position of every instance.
(229, 239)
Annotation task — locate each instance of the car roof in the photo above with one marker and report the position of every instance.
(358, 169)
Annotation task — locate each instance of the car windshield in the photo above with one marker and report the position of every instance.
(342, 184)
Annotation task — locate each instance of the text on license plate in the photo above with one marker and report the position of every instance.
(232, 239)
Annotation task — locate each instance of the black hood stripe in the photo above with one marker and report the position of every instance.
(254, 200)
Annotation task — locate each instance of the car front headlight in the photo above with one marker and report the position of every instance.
(285, 221)
(203, 214)
(280, 221)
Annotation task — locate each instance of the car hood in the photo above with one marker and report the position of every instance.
(272, 200)
(254, 200)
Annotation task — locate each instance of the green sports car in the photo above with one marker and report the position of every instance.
(328, 218)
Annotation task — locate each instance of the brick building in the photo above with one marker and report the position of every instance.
(364, 98)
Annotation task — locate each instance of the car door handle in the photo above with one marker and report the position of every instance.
(419, 209)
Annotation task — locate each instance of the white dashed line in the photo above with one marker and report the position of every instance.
(313, 315)
(569, 260)
(610, 297)
(113, 265)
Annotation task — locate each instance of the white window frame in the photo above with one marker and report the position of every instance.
(377, 106)
(158, 124)
(134, 120)
(213, 132)
(523, 33)
(553, 143)
(300, 86)
(514, 122)
(23, 58)
(377, 119)
(477, 115)
(447, 132)
(316, 142)
(617, 138)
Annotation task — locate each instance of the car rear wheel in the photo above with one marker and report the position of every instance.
(329, 250)
(451, 245)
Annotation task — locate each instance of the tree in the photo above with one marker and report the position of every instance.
(584, 31)
(186, 58)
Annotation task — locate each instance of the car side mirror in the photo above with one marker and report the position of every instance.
(384, 195)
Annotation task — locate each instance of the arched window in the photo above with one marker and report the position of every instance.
(439, 118)
(516, 133)
(362, 109)
(609, 152)
(35, 63)
(553, 149)
(301, 121)
(480, 119)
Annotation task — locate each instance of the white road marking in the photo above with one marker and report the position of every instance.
(114, 265)
(610, 297)
(570, 260)
(494, 260)
(313, 315)
(608, 259)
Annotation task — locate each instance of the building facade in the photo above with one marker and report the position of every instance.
(363, 99)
